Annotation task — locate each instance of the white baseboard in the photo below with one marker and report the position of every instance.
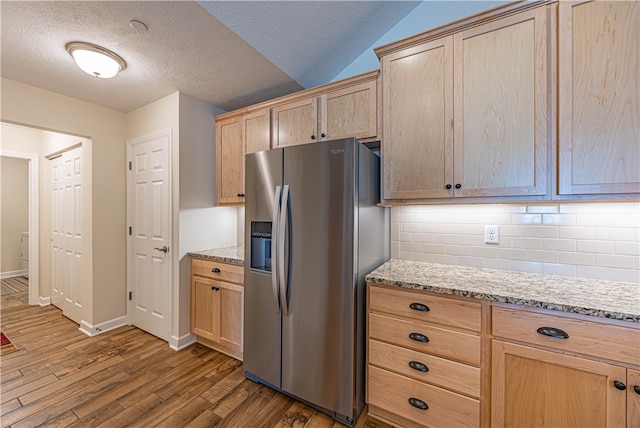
(14, 273)
(44, 301)
(178, 343)
(103, 327)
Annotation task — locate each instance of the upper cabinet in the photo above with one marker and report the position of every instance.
(295, 122)
(599, 97)
(347, 108)
(465, 115)
(343, 109)
(230, 150)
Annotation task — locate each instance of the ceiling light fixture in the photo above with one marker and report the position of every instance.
(95, 60)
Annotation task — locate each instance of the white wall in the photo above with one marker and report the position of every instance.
(14, 211)
(105, 222)
(588, 240)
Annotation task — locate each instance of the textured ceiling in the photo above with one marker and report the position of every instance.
(186, 49)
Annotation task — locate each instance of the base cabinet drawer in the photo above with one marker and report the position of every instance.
(426, 338)
(426, 368)
(421, 403)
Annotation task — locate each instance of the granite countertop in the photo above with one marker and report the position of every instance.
(607, 299)
(233, 255)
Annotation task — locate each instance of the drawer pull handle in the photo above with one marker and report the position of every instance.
(556, 333)
(619, 385)
(215, 288)
(215, 270)
(419, 307)
(418, 366)
(418, 337)
(636, 388)
(418, 404)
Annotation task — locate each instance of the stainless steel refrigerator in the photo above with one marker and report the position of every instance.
(312, 232)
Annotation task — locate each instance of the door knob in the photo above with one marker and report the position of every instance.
(164, 249)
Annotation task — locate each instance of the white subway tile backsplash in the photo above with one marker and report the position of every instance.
(605, 247)
(559, 219)
(542, 209)
(595, 273)
(627, 248)
(615, 261)
(593, 240)
(558, 269)
(627, 275)
(526, 218)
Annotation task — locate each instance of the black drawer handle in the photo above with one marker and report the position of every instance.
(556, 333)
(215, 270)
(636, 388)
(418, 366)
(418, 337)
(241, 195)
(419, 307)
(215, 288)
(418, 404)
(619, 385)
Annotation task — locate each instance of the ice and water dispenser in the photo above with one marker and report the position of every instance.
(261, 246)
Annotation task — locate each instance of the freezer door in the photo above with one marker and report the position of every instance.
(318, 330)
(262, 323)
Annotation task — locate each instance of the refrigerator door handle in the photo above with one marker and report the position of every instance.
(282, 229)
(275, 246)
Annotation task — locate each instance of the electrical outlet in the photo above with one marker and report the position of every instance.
(491, 234)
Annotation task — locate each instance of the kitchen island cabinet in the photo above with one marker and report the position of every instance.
(599, 97)
(465, 115)
(526, 374)
(217, 305)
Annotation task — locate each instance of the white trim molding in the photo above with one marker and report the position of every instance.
(177, 343)
(103, 327)
(14, 273)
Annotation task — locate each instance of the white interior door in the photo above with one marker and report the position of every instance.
(67, 233)
(149, 213)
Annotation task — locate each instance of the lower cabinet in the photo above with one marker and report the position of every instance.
(560, 371)
(424, 359)
(448, 362)
(217, 305)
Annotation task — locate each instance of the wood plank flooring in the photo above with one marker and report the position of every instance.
(16, 284)
(126, 377)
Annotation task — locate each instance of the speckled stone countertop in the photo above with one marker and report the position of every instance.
(607, 299)
(233, 255)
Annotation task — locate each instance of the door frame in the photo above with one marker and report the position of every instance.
(168, 133)
(34, 222)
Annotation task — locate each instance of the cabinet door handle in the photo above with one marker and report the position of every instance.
(448, 186)
(458, 186)
(619, 385)
(636, 388)
(313, 137)
(419, 307)
(215, 270)
(323, 135)
(418, 337)
(241, 195)
(418, 404)
(418, 366)
(556, 333)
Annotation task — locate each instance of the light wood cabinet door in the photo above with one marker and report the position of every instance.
(349, 112)
(231, 315)
(501, 107)
(633, 398)
(417, 121)
(257, 131)
(599, 97)
(537, 388)
(295, 123)
(230, 161)
(205, 307)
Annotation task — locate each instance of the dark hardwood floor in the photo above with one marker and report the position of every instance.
(126, 377)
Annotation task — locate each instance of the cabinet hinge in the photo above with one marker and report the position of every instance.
(129, 295)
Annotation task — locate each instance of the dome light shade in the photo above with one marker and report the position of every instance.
(95, 60)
